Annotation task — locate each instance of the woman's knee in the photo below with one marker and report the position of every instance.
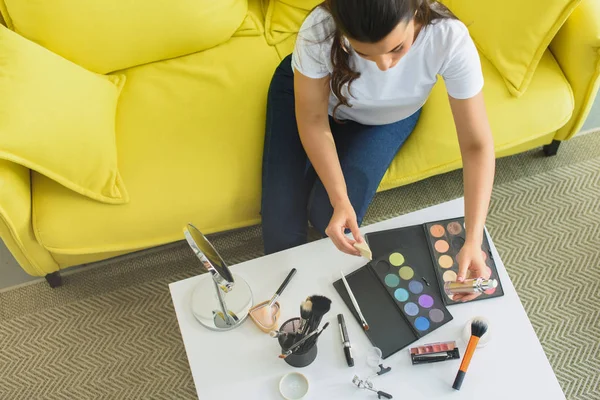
(319, 208)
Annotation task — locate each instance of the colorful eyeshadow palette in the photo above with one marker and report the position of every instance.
(446, 238)
(420, 304)
(401, 292)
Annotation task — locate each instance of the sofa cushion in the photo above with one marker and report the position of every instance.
(190, 138)
(110, 35)
(284, 18)
(513, 34)
(59, 119)
(433, 149)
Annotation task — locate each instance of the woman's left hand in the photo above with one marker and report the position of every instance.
(471, 265)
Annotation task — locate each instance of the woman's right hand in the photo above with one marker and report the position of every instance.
(344, 218)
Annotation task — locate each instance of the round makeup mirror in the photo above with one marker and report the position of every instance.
(220, 300)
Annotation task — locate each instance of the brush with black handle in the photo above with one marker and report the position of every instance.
(320, 306)
(478, 329)
(313, 340)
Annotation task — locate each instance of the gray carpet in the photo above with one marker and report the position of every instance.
(110, 332)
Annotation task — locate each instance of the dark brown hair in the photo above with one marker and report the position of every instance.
(369, 21)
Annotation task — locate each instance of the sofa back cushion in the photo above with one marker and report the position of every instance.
(284, 18)
(513, 34)
(109, 35)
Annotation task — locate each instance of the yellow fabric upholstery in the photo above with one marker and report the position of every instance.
(16, 221)
(215, 179)
(253, 24)
(110, 35)
(433, 148)
(513, 34)
(284, 18)
(190, 137)
(577, 50)
(59, 119)
(190, 131)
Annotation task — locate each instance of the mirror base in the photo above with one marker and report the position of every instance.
(206, 307)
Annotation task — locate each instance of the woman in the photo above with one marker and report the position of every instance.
(341, 106)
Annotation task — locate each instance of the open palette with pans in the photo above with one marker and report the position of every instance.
(419, 302)
(401, 292)
(446, 238)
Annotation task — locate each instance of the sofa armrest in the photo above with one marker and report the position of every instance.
(16, 228)
(576, 47)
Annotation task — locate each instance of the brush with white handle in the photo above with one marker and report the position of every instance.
(355, 303)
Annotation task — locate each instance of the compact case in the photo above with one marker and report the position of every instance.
(401, 291)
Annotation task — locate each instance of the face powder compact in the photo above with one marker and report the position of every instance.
(293, 386)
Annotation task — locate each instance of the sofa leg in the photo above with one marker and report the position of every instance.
(54, 279)
(552, 148)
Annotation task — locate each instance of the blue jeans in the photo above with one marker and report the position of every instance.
(292, 193)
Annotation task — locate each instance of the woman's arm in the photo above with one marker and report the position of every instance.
(477, 150)
(312, 97)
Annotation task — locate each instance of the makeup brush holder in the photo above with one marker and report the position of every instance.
(301, 360)
(297, 359)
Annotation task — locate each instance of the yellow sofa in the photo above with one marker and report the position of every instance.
(190, 135)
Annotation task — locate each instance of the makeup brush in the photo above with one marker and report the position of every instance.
(363, 322)
(478, 329)
(313, 340)
(320, 306)
(276, 334)
(296, 346)
(305, 312)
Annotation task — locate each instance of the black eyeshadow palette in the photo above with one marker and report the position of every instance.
(420, 303)
(394, 322)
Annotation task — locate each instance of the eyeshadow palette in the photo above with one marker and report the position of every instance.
(446, 238)
(420, 304)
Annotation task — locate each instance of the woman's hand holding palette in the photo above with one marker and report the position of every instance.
(446, 239)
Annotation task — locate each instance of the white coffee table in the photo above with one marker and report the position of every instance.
(243, 363)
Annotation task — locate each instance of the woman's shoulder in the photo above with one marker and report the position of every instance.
(445, 31)
(318, 26)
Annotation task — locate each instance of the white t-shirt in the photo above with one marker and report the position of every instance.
(382, 97)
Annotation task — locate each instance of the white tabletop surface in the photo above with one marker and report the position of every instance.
(243, 363)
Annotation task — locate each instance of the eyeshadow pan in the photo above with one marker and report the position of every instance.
(441, 246)
(437, 231)
(422, 323)
(415, 286)
(450, 276)
(406, 273)
(401, 295)
(411, 309)
(426, 301)
(396, 259)
(392, 280)
(458, 242)
(484, 254)
(436, 315)
(454, 228)
(446, 262)
(489, 271)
